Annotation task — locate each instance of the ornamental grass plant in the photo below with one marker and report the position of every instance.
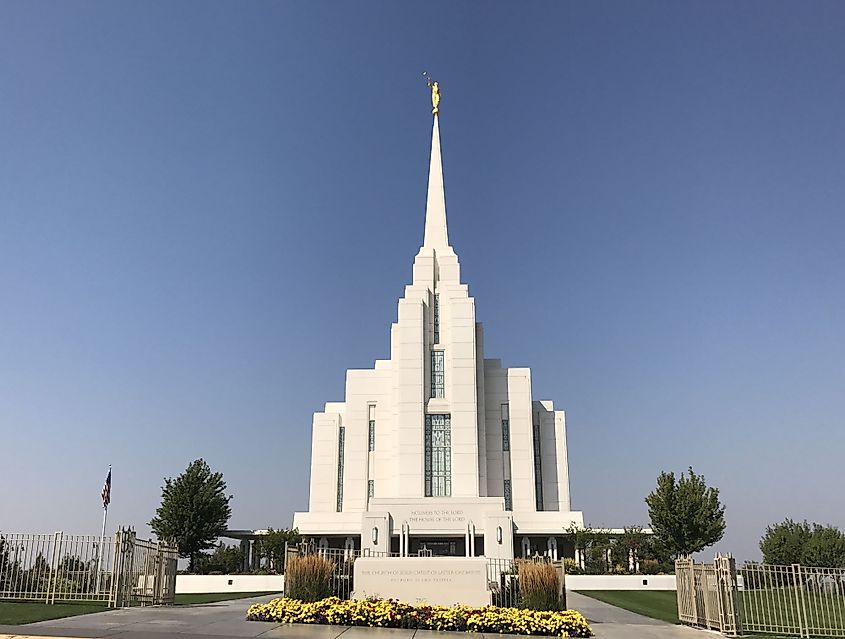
(309, 578)
(539, 585)
(387, 613)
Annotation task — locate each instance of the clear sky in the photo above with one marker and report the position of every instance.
(208, 211)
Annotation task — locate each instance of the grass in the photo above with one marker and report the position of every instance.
(211, 597)
(657, 604)
(779, 607)
(13, 613)
(17, 612)
(771, 607)
(774, 608)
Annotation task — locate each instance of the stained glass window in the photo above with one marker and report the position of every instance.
(506, 434)
(371, 438)
(371, 488)
(508, 495)
(538, 468)
(438, 456)
(341, 432)
(438, 381)
(437, 318)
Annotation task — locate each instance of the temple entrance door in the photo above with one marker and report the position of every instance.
(439, 546)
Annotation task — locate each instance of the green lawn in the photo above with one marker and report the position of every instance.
(17, 612)
(657, 604)
(211, 597)
(825, 613)
(760, 608)
(13, 613)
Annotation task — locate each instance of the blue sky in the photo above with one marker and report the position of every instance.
(208, 211)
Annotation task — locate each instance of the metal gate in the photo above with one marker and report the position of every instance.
(787, 601)
(117, 571)
(146, 571)
(707, 594)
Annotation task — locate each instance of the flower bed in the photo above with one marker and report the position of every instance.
(387, 613)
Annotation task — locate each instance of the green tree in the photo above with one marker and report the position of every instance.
(632, 539)
(593, 544)
(791, 542)
(38, 576)
(225, 560)
(5, 564)
(686, 514)
(273, 545)
(825, 548)
(654, 558)
(194, 510)
(783, 543)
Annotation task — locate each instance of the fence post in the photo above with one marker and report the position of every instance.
(798, 580)
(726, 586)
(561, 592)
(50, 596)
(115, 570)
(680, 575)
(120, 568)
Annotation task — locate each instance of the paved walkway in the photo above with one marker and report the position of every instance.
(226, 619)
(611, 622)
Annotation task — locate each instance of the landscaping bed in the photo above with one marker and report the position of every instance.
(387, 613)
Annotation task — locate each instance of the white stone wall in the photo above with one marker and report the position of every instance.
(190, 584)
(522, 438)
(620, 582)
(324, 433)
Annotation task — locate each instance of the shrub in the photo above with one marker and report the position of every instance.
(394, 614)
(539, 585)
(309, 578)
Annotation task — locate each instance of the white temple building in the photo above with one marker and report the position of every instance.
(438, 448)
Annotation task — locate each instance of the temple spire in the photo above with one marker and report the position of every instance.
(436, 233)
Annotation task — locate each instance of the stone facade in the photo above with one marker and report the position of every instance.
(438, 448)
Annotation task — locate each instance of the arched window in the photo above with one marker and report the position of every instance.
(551, 547)
(526, 547)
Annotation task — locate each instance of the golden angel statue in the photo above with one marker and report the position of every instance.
(435, 94)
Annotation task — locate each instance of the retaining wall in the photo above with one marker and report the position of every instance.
(229, 583)
(620, 582)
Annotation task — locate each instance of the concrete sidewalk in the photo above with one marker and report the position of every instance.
(221, 619)
(611, 622)
(226, 619)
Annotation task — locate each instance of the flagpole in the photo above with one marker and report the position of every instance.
(102, 536)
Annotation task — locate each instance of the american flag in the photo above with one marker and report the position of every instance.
(107, 491)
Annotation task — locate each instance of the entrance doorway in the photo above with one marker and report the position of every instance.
(439, 546)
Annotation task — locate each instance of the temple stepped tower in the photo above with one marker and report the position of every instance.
(438, 448)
